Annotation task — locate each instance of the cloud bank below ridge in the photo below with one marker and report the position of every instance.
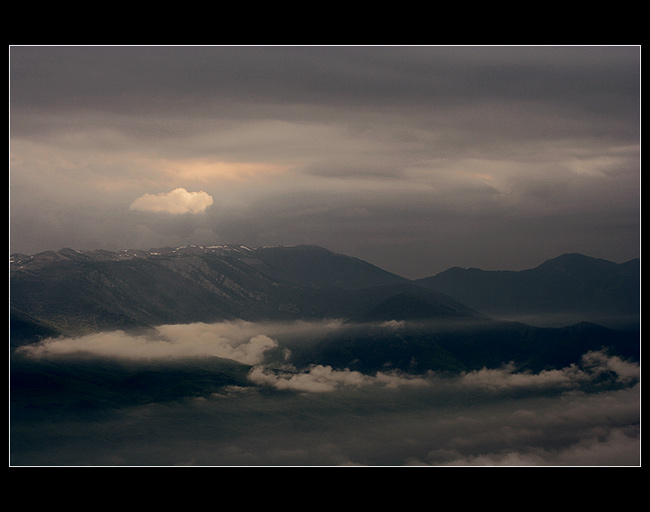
(267, 347)
(582, 414)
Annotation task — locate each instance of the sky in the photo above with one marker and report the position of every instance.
(414, 158)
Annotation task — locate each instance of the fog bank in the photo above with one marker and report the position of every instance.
(273, 414)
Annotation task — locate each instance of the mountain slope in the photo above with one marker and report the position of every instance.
(92, 290)
(74, 292)
(308, 265)
(572, 287)
(403, 306)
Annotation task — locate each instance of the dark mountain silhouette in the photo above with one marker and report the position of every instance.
(569, 288)
(73, 292)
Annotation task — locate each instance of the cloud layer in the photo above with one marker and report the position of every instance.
(177, 201)
(121, 346)
(267, 347)
(583, 414)
(322, 379)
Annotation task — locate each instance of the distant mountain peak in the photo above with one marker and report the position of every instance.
(571, 285)
(405, 306)
(574, 257)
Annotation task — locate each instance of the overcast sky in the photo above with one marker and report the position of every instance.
(415, 159)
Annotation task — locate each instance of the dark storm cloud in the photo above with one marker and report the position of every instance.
(503, 90)
(370, 151)
(109, 77)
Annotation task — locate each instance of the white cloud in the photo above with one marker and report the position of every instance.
(321, 378)
(177, 201)
(592, 366)
(317, 379)
(243, 341)
(119, 345)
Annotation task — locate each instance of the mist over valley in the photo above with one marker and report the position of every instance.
(285, 354)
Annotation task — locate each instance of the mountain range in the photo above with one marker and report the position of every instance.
(569, 288)
(74, 292)
(457, 320)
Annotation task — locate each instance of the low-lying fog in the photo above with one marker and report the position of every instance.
(275, 414)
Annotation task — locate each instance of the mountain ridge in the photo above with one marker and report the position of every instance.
(79, 291)
(76, 291)
(120, 254)
(569, 285)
